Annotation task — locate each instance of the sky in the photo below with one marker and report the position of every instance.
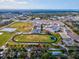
(39, 4)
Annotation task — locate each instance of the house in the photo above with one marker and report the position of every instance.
(37, 18)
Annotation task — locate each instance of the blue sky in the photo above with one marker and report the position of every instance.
(39, 4)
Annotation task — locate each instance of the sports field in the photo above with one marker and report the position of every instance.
(22, 26)
(33, 38)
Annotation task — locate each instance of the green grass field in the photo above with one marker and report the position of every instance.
(36, 38)
(33, 38)
(5, 37)
(22, 26)
(57, 36)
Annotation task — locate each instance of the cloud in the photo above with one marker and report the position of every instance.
(22, 3)
(7, 0)
(12, 4)
(39, 4)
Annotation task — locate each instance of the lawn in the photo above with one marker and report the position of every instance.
(22, 26)
(5, 37)
(57, 36)
(33, 38)
(36, 38)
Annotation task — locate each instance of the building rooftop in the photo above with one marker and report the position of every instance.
(36, 31)
(64, 35)
(57, 53)
(8, 29)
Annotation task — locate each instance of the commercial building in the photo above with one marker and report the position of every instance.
(66, 39)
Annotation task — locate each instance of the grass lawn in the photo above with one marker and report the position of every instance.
(33, 38)
(5, 37)
(58, 37)
(22, 26)
(36, 38)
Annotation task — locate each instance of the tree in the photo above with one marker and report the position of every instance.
(48, 56)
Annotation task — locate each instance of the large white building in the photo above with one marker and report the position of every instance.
(53, 27)
(8, 29)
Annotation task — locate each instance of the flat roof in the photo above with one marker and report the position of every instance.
(8, 29)
(64, 35)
